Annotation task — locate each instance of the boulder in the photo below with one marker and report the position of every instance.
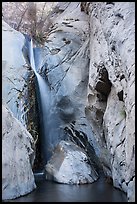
(69, 164)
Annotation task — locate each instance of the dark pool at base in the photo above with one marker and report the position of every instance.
(48, 191)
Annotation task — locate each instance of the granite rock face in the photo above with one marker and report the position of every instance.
(69, 164)
(17, 157)
(18, 146)
(111, 86)
(18, 82)
(93, 82)
(91, 73)
(18, 88)
(14, 72)
(65, 69)
(88, 62)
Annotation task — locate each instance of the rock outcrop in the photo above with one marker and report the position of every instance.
(14, 72)
(18, 88)
(17, 144)
(92, 78)
(69, 164)
(17, 157)
(65, 68)
(111, 87)
(89, 66)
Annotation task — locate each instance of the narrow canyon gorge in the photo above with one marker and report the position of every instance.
(68, 95)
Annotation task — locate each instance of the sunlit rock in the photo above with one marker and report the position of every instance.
(14, 72)
(18, 88)
(69, 164)
(17, 157)
(112, 47)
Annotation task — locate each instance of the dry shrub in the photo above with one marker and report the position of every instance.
(31, 18)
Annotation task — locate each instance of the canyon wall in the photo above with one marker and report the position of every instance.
(111, 86)
(89, 66)
(17, 157)
(18, 146)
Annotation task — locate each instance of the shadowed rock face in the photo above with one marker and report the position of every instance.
(65, 68)
(103, 84)
(66, 109)
(69, 164)
(17, 157)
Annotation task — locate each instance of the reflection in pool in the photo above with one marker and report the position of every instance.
(48, 191)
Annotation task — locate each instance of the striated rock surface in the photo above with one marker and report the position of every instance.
(88, 62)
(17, 157)
(91, 74)
(18, 88)
(65, 69)
(14, 72)
(111, 87)
(69, 164)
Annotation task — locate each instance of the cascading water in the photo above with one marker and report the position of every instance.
(44, 92)
(51, 130)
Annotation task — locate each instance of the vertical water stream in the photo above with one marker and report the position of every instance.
(44, 92)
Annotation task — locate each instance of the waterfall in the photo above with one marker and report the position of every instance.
(44, 92)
